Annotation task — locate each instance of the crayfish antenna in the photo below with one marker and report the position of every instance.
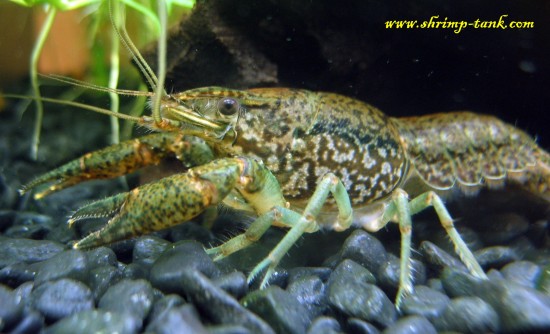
(156, 83)
(87, 85)
(77, 105)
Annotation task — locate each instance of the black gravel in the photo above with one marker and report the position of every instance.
(411, 324)
(60, 298)
(95, 321)
(426, 302)
(329, 283)
(468, 315)
(351, 292)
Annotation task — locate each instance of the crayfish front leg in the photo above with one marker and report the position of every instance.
(123, 158)
(299, 223)
(174, 200)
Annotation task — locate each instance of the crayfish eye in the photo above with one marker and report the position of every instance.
(228, 107)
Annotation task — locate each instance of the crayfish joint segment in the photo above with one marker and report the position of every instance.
(299, 224)
(401, 209)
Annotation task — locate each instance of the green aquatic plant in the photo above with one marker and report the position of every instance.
(156, 16)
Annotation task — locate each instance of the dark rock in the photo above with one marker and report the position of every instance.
(468, 315)
(228, 329)
(8, 192)
(520, 309)
(19, 273)
(28, 251)
(522, 246)
(459, 283)
(61, 298)
(297, 273)
(324, 325)
(7, 217)
(68, 264)
(164, 304)
(349, 269)
(61, 233)
(364, 249)
(332, 261)
(279, 309)
(540, 256)
(30, 225)
(191, 231)
(522, 272)
(131, 297)
(168, 269)
(135, 271)
(101, 278)
(543, 283)
(349, 291)
(310, 292)
(157, 294)
(217, 305)
(495, 256)
(95, 321)
(425, 302)
(436, 284)
(147, 250)
(361, 327)
(233, 283)
(10, 308)
(279, 277)
(181, 319)
(438, 259)
(501, 228)
(388, 274)
(31, 323)
(101, 256)
(24, 293)
(494, 274)
(411, 325)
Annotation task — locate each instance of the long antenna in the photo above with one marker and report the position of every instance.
(157, 84)
(87, 85)
(133, 50)
(78, 105)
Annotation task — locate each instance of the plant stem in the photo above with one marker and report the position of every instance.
(159, 90)
(114, 73)
(35, 56)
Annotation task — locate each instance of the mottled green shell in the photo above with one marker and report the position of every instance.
(470, 150)
(302, 135)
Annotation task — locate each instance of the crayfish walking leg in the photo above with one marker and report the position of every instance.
(400, 209)
(298, 223)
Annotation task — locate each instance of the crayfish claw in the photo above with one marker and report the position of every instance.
(106, 207)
